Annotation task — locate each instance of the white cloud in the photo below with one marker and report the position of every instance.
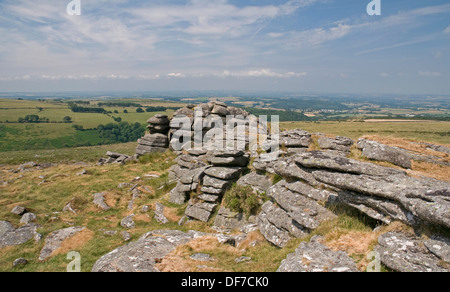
(430, 74)
(384, 74)
(447, 30)
(176, 75)
(262, 73)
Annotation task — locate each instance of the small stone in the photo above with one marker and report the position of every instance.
(27, 218)
(20, 262)
(203, 257)
(242, 259)
(83, 172)
(18, 210)
(126, 236)
(128, 222)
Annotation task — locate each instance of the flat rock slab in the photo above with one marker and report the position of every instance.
(316, 257)
(200, 211)
(143, 254)
(377, 151)
(55, 239)
(317, 159)
(305, 211)
(271, 233)
(404, 252)
(225, 173)
(9, 236)
(259, 183)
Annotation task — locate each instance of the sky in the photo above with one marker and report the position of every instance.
(324, 46)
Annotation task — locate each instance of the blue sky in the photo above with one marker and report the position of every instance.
(288, 45)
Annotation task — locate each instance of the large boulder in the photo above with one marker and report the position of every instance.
(404, 252)
(377, 151)
(55, 239)
(143, 254)
(259, 183)
(313, 256)
(9, 236)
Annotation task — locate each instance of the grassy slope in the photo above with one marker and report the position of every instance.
(63, 186)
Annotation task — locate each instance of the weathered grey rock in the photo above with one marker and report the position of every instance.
(177, 197)
(159, 120)
(306, 190)
(426, 199)
(125, 235)
(306, 212)
(213, 191)
(438, 148)
(225, 173)
(403, 252)
(128, 222)
(200, 211)
(220, 110)
(295, 139)
(18, 210)
(259, 183)
(55, 239)
(27, 218)
(99, 200)
(202, 257)
(242, 259)
(440, 247)
(154, 140)
(143, 254)
(227, 219)
(216, 183)
(240, 161)
(313, 256)
(5, 227)
(20, 262)
(282, 220)
(210, 198)
(271, 233)
(317, 159)
(384, 210)
(159, 214)
(339, 143)
(377, 151)
(9, 236)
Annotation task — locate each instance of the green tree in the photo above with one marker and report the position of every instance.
(139, 110)
(67, 119)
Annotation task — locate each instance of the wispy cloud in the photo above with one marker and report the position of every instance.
(430, 74)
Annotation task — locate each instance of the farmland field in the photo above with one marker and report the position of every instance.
(436, 132)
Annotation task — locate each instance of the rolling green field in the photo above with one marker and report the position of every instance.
(16, 136)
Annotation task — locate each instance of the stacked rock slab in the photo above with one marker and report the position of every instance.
(195, 122)
(339, 145)
(292, 142)
(157, 140)
(383, 193)
(225, 168)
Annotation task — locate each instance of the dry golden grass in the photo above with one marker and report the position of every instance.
(179, 260)
(75, 242)
(358, 244)
(419, 168)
